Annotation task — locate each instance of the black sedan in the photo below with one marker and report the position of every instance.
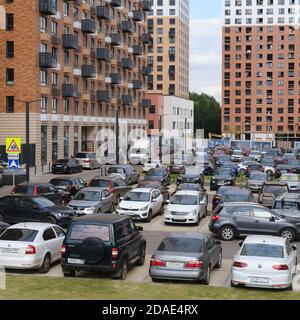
(3, 226)
(159, 174)
(191, 174)
(222, 177)
(26, 208)
(66, 166)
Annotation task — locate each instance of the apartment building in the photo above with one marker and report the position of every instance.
(78, 62)
(261, 69)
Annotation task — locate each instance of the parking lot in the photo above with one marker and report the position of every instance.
(154, 232)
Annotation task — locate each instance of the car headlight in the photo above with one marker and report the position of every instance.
(144, 208)
(90, 210)
(193, 213)
(119, 208)
(166, 211)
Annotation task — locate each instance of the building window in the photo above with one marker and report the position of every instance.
(9, 49)
(10, 104)
(43, 24)
(44, 144)
(10, 77)
(66, 142)
(43, 104)
(151, 124)
(9, 22)
(43, 78)
(152, 109)
(54, 104)
(54, 143)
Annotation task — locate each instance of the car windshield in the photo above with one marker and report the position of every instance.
(285, 177)
(156, 172)
(116, 170)
(184, 199)
(87, 196)
(236, 198)
(285, 205)
(173, 244)
(237, 152)
(62, 183)
(256, 176)
(223, 172)
(138, 196)
(82, 231)
(191, 171)
(44, 202)
(82, 155)
(16, 234)
(276, 190)
(99, 183)
(262, 250)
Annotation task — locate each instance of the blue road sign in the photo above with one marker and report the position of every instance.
(13, 164)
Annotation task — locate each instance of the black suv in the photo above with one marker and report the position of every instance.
(105, 243)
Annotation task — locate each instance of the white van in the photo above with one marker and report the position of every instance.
(88, 160)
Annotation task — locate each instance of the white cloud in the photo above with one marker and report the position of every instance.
(206, 56)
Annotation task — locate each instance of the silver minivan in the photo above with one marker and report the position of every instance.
(88, 160)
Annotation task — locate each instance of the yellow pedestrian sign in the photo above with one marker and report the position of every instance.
(13, 145)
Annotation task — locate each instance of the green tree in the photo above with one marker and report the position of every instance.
(207, 113)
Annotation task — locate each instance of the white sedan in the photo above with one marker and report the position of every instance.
(265, 262)
(152, 164)
(186, 206)
(31, 246)
(141, 204)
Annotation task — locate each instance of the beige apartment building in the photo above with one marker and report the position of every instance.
(79, 61)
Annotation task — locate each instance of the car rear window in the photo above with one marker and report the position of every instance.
(236, 198)
(173, 244)
(82, 231)
(24, 189)
(276, 190)
(25, 235)
(99, 183)
(63, 183)
(116, 170)
(262, 250)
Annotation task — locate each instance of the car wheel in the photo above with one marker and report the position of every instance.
(227, 233)
(69, 273)
(142, 256)
(219, 263)
(198, 220)
(207, 277)
(122, 273)
(288, 233)
(50, 219)
(149, 216)
(269, 172)
(45, 267)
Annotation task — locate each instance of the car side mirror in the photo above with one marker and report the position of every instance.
(139, 228)
(121, 198)
(167, 201)
(272, 219)
(154, 200)
(241, 243)
(294, 247)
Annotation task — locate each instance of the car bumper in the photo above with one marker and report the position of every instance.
(170, 274)
(87, 267)
(188, 219)
(255, 188)
(23, 263)
(136, 215)
(281, 281)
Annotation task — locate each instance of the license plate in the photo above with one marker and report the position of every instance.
(59, 166)
(176, 265)
(259, 280)
(76, 261)
(9, 250)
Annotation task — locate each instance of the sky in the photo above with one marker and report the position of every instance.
(206, 47)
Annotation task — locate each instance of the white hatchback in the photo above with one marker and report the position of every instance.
(265, 262)
(31, 246)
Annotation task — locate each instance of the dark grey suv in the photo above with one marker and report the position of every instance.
(234, 219)
(103, 243)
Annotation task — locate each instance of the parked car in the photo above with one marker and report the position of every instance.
(222, 177)
(287, 201)
(103, 243)
(141, 204)
(176, 168)
(218, 196)
(66, 166)
(186, 256)
(186, 206)
(270, 166)
(191, 175)
(115, 185)
(31, 246)
(237, 195)
(237, 155)
(92, 200)
(88, 160)
(292, 180)
(159, 174)
(126, 172)
(156, 185)
(46, 190)
(247, 167)
(207, 167)
(276, 154)
(68, 186)
(152, 164)
(271, 190)
(21, 208)
(231, 220)
(256, 180)
(3, 226)
(265, 262)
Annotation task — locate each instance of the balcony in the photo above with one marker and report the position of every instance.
(146, 38)
(48, 7)
(70, 41)
(126, 63)
(103, 96)
(116, 3)
(55, 40)
(146, 103)
(137, 84)
(88, 71)
(47, 60)
(137, 50)
(137, 15)
(115, 39)
(102, 12)
(102, 54)
(115, 78)
(88, 26)
(127, 26)
(146, 71)
(127, 100)
(69, 91)
(146, 5)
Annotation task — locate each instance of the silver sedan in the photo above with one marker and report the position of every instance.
(265, 262)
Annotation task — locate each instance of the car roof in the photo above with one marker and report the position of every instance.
(197, 235)
(289, 196)
(64, 178)
(290, 174)
(187, 192)
(32, 225)
(92, 189)
(101, 218)
(265, 239)
(106, 178)
(28, 184)
(241, 204)
(238, 191)
(275, 183)
(142, 189)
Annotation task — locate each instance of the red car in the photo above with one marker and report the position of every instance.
(156, 185)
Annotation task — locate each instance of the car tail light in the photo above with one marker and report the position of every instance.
(281, 267)
(216, 218)
(110, 187)
(30, 249)
(195, 264)
(63, 249)
(13, 190)
(35, 191)
(87, 161)
(115, 253)
(157, 263)
(238, 264)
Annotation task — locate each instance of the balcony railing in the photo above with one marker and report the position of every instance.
(47, 60)
(115, 78)
(137, 15)
(146, 103)
(137, 84)
(116, 3)
(102, 12)
(48, 7)
(69, 91)
(126, 63)
(88, 26)
(70, 41)
(103, 96)
(146, 5)
(115, 39)
(137, 50)
(102, 54)
(127, 26)
(88, 71)
(127, 100)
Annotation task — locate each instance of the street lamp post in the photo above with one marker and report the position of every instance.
(160, 136)
(117, 136)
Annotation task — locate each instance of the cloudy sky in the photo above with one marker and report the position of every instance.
(205, 47)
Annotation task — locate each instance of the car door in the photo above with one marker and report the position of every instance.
(50, 193)
(213, 250)
(51, 242)
(29, 211)
(243, 219)
(156, 195)
(263, 224)
(60, 235)
(106, 200)
(10, 209)
(291, 256)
